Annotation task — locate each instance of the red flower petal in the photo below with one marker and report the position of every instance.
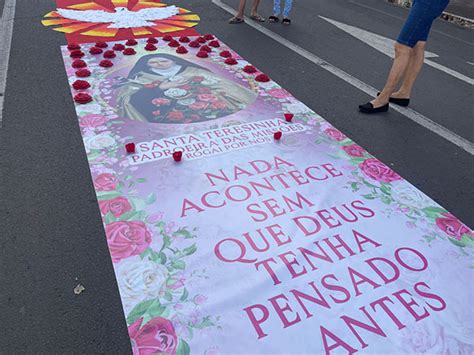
(177, 155)
(118, 47)
(150, 47)
(76, 54)
(101, 45)
(202, 54)
(95, 50)
(131, 42)
(78, 63)
(225, 54)
(80, 85)
(73, 46)
(173, 43)
(230, 61)
(106, 63)
(184, 39)
(277, 135)
(208, 37)
(214, 44)
(288, 117)
(250, 69)
(201, 40)
(167, 38)
(206, 48)
(262, 78)
(82, 98)
(82, 73)
(129, 51)
(109, 54)
(152, 40)
(130, 147)
(194, 44)
(181, 50)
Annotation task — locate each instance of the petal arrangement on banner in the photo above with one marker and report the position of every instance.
(240, 221)
(86, 21)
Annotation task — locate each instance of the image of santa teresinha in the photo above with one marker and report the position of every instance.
(162, 88)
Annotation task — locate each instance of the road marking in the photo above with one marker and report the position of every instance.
(385, 46)
(404, 19)
(6, 30)
(407, 112)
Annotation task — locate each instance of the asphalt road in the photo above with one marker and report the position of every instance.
(464, 8)
(51, 231)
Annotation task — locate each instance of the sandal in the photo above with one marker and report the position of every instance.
(257, 18)
(235, 20)
(273, 19)
(286, 21)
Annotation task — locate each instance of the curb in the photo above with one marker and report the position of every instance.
(458, 20)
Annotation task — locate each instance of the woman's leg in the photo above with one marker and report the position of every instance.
(240, 14)
(399, 67)
(255, 4)
(286, 10)
(416, 62)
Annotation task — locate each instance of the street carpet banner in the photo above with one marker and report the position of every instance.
(275, 233)
(85, 21)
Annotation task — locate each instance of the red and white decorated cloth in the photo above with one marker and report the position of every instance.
(111, 20)
(249, 245)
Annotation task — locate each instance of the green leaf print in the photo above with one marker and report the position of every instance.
(183, 348)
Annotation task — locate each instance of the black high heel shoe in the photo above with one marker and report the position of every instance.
(369, 108)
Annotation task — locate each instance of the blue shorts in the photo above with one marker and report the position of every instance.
(421, 17)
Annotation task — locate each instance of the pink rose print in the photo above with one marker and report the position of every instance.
(197, 79)
(354, 150)
(105, 182)
(204, 90)
(159, 101)
(453, 226)
(92, 121)
(200, 299)
(199, 105)
(278, 93)
(335, 134)
(117, 206)
(155, 217)
(378, 171)
(156, 113)
(126, 239)
(219, 105)
(175, 115)
(155, 337)
(207, 98)
(177, 284)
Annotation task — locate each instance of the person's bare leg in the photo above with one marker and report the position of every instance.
(414, 67)
(253, 11)
(399, 66)
(240, 14)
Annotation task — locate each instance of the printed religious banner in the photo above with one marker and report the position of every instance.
(251, 244)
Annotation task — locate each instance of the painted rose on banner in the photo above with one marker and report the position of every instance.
(156, 337)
